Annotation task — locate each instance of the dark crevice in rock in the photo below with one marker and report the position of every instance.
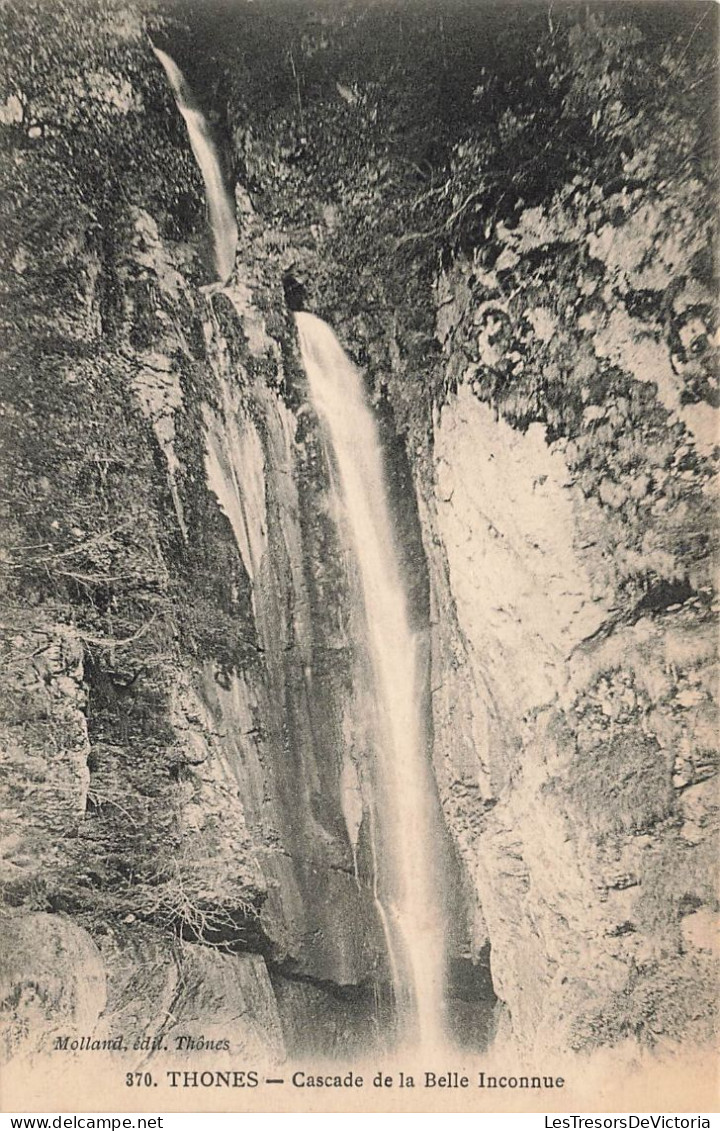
(295, 293)
(288, 970)
(663, 596)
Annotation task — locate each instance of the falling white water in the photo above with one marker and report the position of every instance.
(406, 829)
(219, 202)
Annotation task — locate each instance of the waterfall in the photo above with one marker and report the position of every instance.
(219, 202)
(405, 820)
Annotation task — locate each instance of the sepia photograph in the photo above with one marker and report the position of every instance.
(358, 545)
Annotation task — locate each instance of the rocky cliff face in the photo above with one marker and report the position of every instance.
(584, 829)
(237, 757)
(184, 704)
(581, 789)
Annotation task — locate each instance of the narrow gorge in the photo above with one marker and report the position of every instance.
(359, 533)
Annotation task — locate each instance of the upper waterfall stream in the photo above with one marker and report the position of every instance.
(220, 205)
(406, 830)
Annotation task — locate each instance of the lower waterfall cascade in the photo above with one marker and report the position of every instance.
(406, 820)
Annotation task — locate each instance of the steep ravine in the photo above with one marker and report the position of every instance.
(185, 705)
(567, 856)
